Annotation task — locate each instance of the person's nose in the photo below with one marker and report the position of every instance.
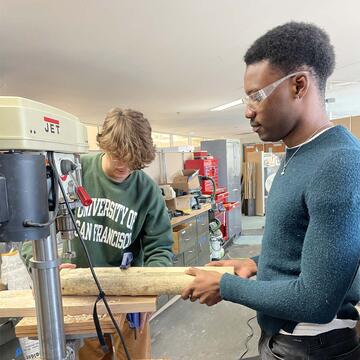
(249, 112)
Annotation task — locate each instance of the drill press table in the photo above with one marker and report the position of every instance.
(77, 311)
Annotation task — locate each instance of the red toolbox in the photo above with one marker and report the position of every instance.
(231, 205)
(221, 216)
(206, 167)
(220, 196)
(200, 154)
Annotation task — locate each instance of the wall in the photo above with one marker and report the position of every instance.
(352, 123)
(92, 131)
(167, 165)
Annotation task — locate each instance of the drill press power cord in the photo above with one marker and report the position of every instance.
(248, 337)
(101, 295)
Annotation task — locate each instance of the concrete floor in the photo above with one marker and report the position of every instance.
(191, 331)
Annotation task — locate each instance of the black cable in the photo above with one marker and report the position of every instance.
(248, 337)
(101, 292)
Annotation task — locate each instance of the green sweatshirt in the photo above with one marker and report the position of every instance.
(128, 216)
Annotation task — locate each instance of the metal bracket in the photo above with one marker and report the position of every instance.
(47, 264)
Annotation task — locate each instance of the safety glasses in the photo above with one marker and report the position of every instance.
(253, 100)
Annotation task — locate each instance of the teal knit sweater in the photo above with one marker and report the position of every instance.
(307, 269)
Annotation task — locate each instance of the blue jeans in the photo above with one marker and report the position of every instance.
(341, 344)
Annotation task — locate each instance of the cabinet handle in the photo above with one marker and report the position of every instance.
(203, 224)
(190, 251)
(187, 239)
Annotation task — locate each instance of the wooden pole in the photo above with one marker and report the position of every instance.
(133, 281)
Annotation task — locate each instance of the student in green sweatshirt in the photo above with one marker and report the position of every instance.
(128, 214)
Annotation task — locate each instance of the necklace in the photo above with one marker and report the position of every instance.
(286, 163)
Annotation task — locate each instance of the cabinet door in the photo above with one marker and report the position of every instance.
(233, 170)
(185, 236)
(190, 256)
(204, 249)
(202, 222)
(234, 222)
(178, 260)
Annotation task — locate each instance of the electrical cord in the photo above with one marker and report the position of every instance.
(249, 337)
(102, 295)
(213, 195)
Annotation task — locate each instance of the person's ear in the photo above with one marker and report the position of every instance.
(301, 85)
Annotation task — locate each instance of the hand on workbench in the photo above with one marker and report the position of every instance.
(144, 318)
(245, 268)
(205, 287)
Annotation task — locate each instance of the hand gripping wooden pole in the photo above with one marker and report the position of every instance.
(132, 281)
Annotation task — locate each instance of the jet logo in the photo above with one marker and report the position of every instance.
(52, 126)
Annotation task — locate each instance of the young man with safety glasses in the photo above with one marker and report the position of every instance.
(307, 281)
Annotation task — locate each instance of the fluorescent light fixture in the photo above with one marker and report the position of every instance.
(228, 105)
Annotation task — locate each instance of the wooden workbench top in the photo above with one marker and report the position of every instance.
(20, 303)
(73, 325)
(180, 219)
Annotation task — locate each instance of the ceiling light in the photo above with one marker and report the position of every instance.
(228, 105)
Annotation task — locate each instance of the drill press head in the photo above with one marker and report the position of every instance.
(29, 131)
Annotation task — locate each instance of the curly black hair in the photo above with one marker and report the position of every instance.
(296, 46)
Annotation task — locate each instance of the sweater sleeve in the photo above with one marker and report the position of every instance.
(157, 238)
(330, 253)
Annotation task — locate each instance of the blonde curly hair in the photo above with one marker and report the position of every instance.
(126, 136)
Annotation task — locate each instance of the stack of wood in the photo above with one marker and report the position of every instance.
(249, 180)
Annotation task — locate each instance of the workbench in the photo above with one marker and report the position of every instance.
(194, 213)
(77, 311)
(20, 303)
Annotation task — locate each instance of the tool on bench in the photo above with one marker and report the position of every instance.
(216, 237)
(132, 318)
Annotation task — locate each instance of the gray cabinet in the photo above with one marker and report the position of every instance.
(191, 246)
(228, 154)
(187, 236)
(191, 241)
(203, 238)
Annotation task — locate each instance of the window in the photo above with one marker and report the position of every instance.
(161, 140)
(179, 140)
(195, 141)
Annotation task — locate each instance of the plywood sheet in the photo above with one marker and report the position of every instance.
(73, 324)
(20, 303)
(258, 158)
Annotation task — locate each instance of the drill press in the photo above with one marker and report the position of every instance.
(40, 146)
